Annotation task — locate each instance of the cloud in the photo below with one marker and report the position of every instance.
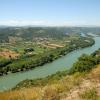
(21, 22)
(33, 22)
(47, 23)
(36, 22)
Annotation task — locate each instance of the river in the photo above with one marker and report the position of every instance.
(63, 63)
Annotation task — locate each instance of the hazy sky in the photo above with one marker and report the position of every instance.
(50, 12)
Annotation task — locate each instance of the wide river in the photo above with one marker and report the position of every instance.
(63, 63)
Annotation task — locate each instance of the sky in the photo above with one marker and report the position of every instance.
(50, 12)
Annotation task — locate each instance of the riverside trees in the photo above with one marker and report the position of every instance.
(86, 62)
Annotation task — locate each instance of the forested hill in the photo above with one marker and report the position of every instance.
(29, 33)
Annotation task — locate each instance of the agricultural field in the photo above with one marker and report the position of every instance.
(26, 48)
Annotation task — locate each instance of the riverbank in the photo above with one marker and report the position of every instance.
(84, 64)
(82, 81)
(63, 63)
(30, 62)
(84, 85)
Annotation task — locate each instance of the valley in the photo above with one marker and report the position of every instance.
(36, 60)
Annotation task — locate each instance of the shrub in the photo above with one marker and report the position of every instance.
(89, 94)
(84, 63)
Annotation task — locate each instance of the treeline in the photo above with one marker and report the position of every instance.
(29, 62)
(4, 62)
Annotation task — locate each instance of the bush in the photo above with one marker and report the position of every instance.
(85, 63)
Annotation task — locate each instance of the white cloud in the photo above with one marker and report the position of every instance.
(21, 22)
(47, 23)
(35, 22)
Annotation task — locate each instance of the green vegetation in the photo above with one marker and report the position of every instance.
(37, 46)
(82, 85)
(78, 86)
(42, 81)
(30, 33)
(90, 62)
(26, 61)
(86, 62)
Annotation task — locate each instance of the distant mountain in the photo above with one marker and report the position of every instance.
(29, 33)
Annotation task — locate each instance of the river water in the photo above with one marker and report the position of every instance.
(63, 63)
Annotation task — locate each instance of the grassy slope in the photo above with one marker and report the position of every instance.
(71, 87)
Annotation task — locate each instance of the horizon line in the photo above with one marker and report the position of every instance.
(49, 25)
